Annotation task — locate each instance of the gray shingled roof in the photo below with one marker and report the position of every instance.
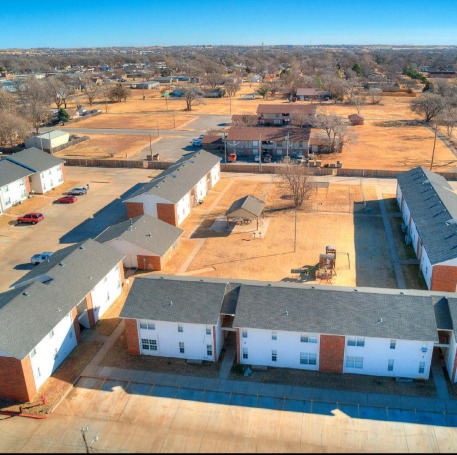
(176, 181)
(35, 159)
(336, 313)
(26, 319)
(145, 231)
(85, 264)
(442, 314)
(248, 203)
(10, 172)
(452, 305)
(432, 202)
(194, 301)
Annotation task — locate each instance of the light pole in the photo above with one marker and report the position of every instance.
(434, 143)
(158, 131)
(166, 102)
(86, 444)
(106, 104)
(230, 97)
(174, 121)
(287, 146)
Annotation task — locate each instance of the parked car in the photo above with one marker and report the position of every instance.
(267, 158)
(32, 218)
(39, 258)
(77, 191)
(256, 158)
(300, 160)
(201, 136)
(68, 199)
(196, 142)
(232, 157)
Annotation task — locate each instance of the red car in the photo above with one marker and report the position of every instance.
(68, 199)
(32, 218)
(232, 157)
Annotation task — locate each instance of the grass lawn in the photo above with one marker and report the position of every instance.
(118, 356)
(404, 251)
(413, 276)
(350, 382)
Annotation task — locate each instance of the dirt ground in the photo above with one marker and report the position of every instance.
(110, 146)
(327, 220)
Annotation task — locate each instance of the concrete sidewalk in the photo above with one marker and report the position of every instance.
(439, 405)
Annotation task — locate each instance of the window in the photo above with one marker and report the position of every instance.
(245, 353)
(33, 353)
(209, 349)
(393, 344)
(390, 365)
(143, 325)
(356, 341)
(308, 359)
(354, 362)
(38, 371)
(307, 339)
(71, 335)
(180, 329)
(147, 326)
(274, 336)
(149, 345)
(208, 330)
(56, 354)
(244, 333)
(51, 333)
(421, 367)
(274, 356)
(181, 347)
(151, 326)
(107, 296)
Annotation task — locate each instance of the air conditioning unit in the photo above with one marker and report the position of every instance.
(404, 227)
(408, 239)
(424, 349)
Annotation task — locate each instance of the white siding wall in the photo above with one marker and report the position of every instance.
(450, 355)
(426, 268)
(168, 338)
(288, 347)
(149, 202)
(106, 292)
(201, 188)
(51, 178)
(215, 174)
(183, 208)
(376, 353)
(63, 341)
(13, 193)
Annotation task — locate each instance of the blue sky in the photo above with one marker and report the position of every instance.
(83, 23)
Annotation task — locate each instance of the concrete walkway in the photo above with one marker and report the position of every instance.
(252, 388)
(227, 362)
(438, 377)
(399, 277)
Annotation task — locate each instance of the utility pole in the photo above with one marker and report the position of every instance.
(260, 152)
(158, 131)
(174, 121)
(287, 146)
(166, 102)
(225, 149)
(150, 144)
(230, 104)
(434, 143)
(295, 233)
(106, 104)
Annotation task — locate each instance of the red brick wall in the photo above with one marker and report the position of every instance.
(167, 213)
(63, 171)
(134, 209)
(90, 310)
(74, 317)
(131, 336)
(331, 353)
(16, 379)
(149, 262)
(444, 278)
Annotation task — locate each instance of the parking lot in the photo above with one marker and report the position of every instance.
(65, 223)
(135, 417)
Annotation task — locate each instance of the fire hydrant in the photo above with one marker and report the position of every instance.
(43, 399)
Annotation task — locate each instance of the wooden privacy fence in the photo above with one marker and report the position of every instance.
(246, 168)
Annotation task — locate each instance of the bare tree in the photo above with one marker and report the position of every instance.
(91, 90)
(56, 89)
(358, 100)
(297, 179)
(337, 86)
(375, 95)
(13, 128)
(34, 98)
(429, 105)
(118, 93)
(335, 129)
(448, 118)
(214, 79)
(231, 87)
(301, 119)
(192, 95)
(245, 120)
(7, 100)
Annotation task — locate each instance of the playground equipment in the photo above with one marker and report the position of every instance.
(327, 264)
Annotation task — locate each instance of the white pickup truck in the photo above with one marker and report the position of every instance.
(39, 258)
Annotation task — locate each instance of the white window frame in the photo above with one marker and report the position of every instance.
(274, 336)
(245, 354)
(209, 349)
(354, 362)
(181, 347)
(421, 367)
(393, 344)
(308, 358)
(390, 365)
(308, 339)
(274, 355)
(244, 334)
(208, 330)
(180, 328)
(356, 341)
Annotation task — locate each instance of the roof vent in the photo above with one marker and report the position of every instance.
(269, 284)
(82, 247)
(426, 181)
(148, 234)
(286, 313)
(171, 303)
(451, 221)
(379, 320)
(26, 294)
(356, 290)
(62, 264)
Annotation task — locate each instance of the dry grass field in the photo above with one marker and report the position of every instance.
(108, 146)
(328, 219)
